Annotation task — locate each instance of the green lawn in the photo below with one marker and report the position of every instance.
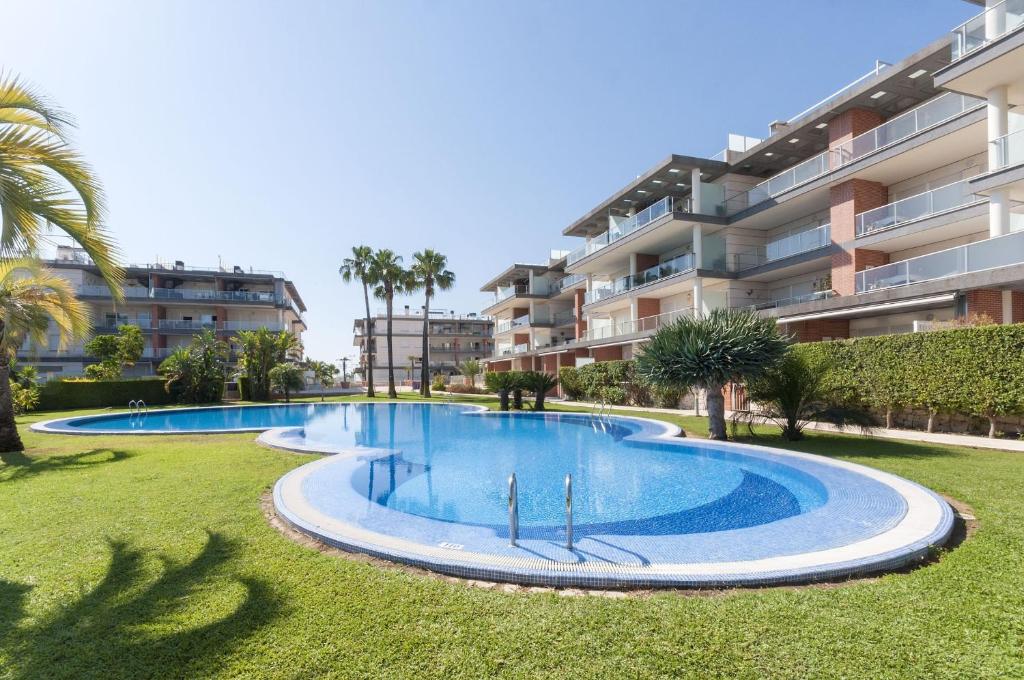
(150, 557)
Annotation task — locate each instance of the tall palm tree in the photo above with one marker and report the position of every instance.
(32, 298)
(727, 345)
(353, 268)
(390, 277)
(429, 272)
(45, 184)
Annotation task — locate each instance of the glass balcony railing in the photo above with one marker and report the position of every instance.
(992, 253)
(505, 292)
(623, 229)
(182, 325)
(571, 281)
(645, 324)
(505, 325)
(934, 111)
(912, 208)
(521, 347)
(800, 242)
(677, 265)
(794, 299)
(992, 24)
(564, 318)
(1009, 150)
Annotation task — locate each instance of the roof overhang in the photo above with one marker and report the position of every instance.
(517, 271)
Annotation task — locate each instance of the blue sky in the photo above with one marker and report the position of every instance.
(280, 134)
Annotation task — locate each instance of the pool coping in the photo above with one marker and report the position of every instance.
(927, 523)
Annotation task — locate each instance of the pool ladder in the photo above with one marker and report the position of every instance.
(513, 511)
(137, 407)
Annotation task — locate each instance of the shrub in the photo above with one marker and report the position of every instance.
(195, 373)
(24, 398)
(438, 383)
(465, 389)
(572, 383)
(667, 397)
(114, 352)
(287, 378)
(85, 393)
(539, 383)
(501, 383)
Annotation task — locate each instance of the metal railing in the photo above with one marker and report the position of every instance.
(677, 265)
(794, 300)
(933, 202)
(505, 292)
(185, 325)
(571, 281)
(623, 229)
(879, 65)
(1009, 150)
(642, 325)
(251, 325)
(992, 24)
(992, 253)
(933, 112)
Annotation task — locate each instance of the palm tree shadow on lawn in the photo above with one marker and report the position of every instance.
(17, 465)
(858, 447)
(131, 626)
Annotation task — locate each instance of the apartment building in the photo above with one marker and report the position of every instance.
(453, 338)
(170, 303)
(890, 205)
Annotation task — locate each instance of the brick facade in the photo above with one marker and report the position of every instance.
(846, 201)
(613, 353)
(581, 321)
(645, 261)
(647, 307)
(851, 123)
(819, 329)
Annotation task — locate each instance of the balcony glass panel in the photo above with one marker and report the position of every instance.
(993, 23)
(795, 299)
(800, 242)
(916, 207)
(1009, 150)
(992, 253)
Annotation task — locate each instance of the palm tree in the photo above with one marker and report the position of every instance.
(31, 298)
(262, 350)
(429, 273)
(727, 345)
(540, 383)
(387, 272)
(45, 184)
(795, 392)
(357, 267)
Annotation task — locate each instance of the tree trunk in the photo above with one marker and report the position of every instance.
(9, 439)
(538, 405)
(888, 418)
(392, 392)
(991, 423)
(425, 354)
(716, 413)
(370, 344)
(502, 400)
(517, 399)
(931, 420)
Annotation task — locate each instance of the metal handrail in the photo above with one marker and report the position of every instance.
(513, 510)
(568, 511)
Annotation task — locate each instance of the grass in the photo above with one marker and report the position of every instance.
(150, 557)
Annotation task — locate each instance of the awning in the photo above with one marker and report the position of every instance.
(879, 308)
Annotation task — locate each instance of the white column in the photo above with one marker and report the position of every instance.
(995, 19)
(695, 191)
(698, 298)
(998, 124)
(1007, 306)
(698, 246)
(632, 264)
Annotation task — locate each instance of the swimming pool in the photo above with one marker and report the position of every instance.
(427, 484)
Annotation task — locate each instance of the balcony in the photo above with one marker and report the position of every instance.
(992, 253)
(505, 292)
(111, 325)
(916, 207)
(138, 292)
(933, 112)
(794, 300)
(251, 326)
(505, 325)
(570, 281)
(1009, 150)
(800, 242)
(564, 318)
(623, 229)
(677, 265)
(645, 324)
(183, 325)
(103, 291)
(990, 25)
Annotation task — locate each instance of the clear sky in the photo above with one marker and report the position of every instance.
(279, 134)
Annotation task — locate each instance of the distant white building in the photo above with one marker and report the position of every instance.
(453, 338)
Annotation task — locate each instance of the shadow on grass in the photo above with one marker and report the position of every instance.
(128, 626)
(17, 465)
(858, 446)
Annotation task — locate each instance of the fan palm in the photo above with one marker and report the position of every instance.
(727, 345)
(44, 183)
(31, 299)
(353, 268)
(391, 278)
(429, 272)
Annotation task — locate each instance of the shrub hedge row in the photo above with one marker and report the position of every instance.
(616, 382)
(84, 393)
(977, 371)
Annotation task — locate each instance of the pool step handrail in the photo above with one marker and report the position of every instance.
(142, 405)
(513, 510)
(132, 405)
(568, 511)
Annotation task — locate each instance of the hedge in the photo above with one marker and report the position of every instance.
(977, 371)
(83, 393)
(616, 382)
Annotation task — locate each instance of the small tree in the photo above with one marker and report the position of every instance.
(323, 373)
(471, 369)
(195, 374)
(502, 383)
(795, 392)
(262, 350)
(115, 352)
(286, 378)
(728, 345)
(540, 384)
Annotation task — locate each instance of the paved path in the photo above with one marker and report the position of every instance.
(905, 435)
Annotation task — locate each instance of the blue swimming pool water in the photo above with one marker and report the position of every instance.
(446, 463)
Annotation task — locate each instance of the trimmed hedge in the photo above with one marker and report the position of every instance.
(616, 382)
(84, 393)
(976, 371)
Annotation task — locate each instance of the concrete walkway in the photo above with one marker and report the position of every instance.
(884, 433)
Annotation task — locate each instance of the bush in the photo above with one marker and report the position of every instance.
(572, 384)
(84, 393)
(667, 397)
(438, 383)
(977, 371)
(24, 398)
(465, 389)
